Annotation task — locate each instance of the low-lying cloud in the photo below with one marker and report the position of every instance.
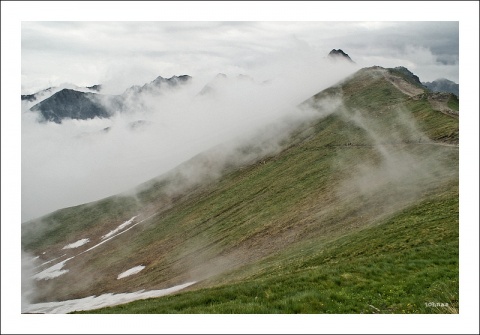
(403, 171)
(79, 161)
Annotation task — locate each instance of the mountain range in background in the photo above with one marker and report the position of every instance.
(443, 85)
(157, 85)
(72, 103)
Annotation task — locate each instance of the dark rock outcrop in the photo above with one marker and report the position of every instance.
(407, 75)
(339, 55)
(71, 104)
(95, 88)
(28, 97)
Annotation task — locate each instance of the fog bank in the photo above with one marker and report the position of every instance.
(79, 161)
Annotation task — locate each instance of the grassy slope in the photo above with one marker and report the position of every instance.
(53, 227)
(395, 267)
(361, 209)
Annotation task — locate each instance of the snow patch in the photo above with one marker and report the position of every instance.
(44, 263)
(53, 271)
(116, 230)
(77, 244)
(131, 271)
(104, 300)
(123, 231)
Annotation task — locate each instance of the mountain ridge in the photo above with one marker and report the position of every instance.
(73, 104)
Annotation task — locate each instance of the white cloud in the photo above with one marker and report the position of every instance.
(76, 162)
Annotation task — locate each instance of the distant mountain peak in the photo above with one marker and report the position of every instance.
(97, 87)
(338, 54)
(443, 85)
(158, 83)
(221, 79)
(171, 81)
(72, 104)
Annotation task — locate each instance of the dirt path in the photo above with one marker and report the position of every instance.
(394, 144)
(403, 85)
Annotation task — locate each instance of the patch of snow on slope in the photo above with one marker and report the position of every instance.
(44, 263)
(116, 230)
(104, 300)
(131, 271)
(123, 231)
(77, 244)
(53, 271)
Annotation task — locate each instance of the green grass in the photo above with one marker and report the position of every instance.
(453, 102)
(64, 224)
(437, 126)
(397, 266)
(354, 215)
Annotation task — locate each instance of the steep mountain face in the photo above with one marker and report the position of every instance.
(360, 196)
(73, 104)
(339, 55)
(408, 76)
(443, 85)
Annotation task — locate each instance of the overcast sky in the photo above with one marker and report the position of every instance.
(127, 53)
(85, 43)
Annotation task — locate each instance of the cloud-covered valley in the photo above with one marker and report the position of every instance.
(79, 161)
